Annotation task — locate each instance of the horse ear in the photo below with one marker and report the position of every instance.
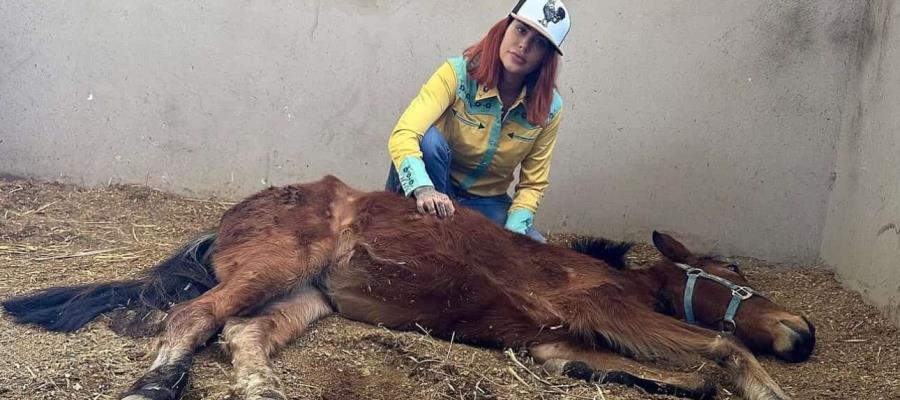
(671, 248)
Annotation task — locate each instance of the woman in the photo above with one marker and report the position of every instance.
(482, 115)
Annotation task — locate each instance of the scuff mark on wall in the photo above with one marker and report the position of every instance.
(791, 32)
(873, 30)
(315, 24)
(888, 227)
(845, 29)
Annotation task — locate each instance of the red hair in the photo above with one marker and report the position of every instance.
(485, 67)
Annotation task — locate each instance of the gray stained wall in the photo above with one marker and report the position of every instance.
(862, 230)
(729, 123)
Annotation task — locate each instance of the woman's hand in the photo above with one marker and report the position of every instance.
(429, 200)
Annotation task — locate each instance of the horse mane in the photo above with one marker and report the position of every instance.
(611, 252)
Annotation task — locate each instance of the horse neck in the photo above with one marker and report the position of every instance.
(656, 283)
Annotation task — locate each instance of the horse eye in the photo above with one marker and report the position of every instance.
(733, 268)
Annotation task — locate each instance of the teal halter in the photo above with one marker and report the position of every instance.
(738, 294)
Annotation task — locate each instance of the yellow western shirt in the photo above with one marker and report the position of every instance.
(486, 146)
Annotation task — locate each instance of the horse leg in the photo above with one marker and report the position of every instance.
(251, 273)
(603, 366)
(188, 327)
(641, 331)
(253, 341)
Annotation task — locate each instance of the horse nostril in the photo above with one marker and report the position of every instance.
(810, 327)
(797, 340)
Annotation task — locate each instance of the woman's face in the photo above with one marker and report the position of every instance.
(522, 48)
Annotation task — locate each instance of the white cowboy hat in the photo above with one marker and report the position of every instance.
(549, 17)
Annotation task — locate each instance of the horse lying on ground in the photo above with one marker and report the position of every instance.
(287, 256)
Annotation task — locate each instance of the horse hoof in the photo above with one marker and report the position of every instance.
(554, 366)
(572, 369)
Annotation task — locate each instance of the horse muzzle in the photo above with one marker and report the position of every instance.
(795, 339)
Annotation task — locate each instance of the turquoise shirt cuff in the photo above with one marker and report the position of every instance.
(519, 220)
(413, 175)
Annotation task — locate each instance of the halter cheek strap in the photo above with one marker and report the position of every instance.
(738, 294)
(692, 274)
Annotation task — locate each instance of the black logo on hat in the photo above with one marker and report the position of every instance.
(552, 13)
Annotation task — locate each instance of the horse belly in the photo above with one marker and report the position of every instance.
(400, 299)
(403, 299)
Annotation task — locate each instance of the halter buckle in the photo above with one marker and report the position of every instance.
(729, 326)
(742, 291)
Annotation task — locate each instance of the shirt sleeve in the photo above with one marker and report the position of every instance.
(534, 175)
(433, 99)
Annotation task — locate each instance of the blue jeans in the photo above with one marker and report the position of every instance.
(437, 158)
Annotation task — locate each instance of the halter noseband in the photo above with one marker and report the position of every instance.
(738, 294)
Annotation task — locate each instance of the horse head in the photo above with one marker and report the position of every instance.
(714, 294)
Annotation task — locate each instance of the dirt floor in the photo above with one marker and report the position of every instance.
(52, 234)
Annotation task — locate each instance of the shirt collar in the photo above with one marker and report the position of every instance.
(485, 92)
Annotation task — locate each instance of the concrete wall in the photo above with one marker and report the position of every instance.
(862, 235)
(713, 119)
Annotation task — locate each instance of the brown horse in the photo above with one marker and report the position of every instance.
(288, 256)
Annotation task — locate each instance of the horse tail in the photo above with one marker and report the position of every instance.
(186, 274)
